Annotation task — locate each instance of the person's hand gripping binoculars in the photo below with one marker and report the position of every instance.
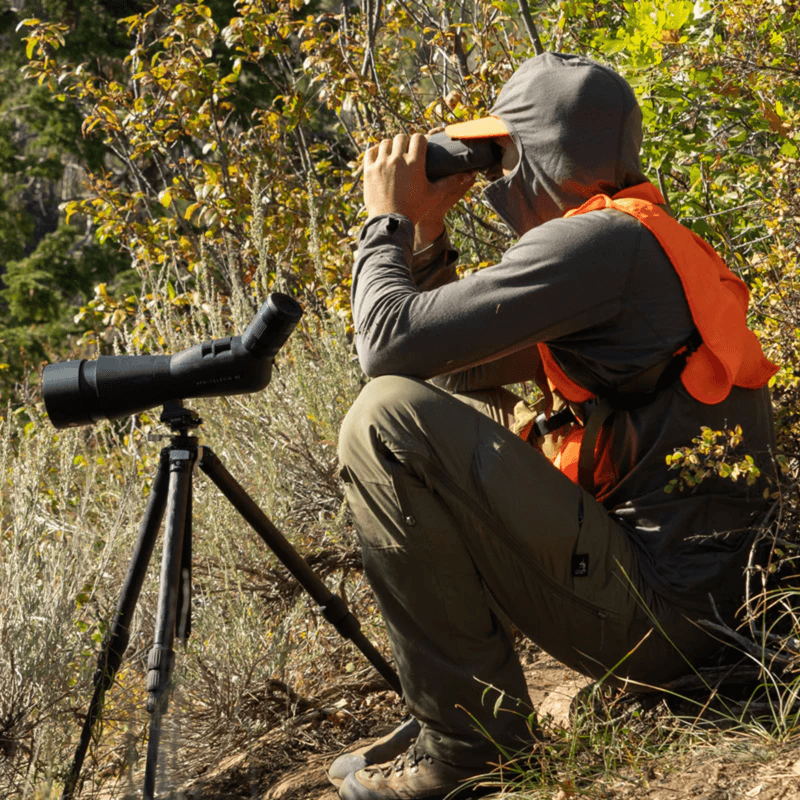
(395, 182)
(422, 177)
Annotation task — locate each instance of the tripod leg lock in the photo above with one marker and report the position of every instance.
(335, 611)
(160, 662)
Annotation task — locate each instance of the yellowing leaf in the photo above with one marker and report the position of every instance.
(27, 23)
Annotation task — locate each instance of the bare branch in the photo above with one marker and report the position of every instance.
(530, 27)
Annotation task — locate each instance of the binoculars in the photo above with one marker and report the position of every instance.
(445, 156)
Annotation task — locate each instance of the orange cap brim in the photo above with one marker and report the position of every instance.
(485, 128)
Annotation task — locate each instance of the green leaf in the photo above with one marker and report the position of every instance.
(498, 705)
(789, 150)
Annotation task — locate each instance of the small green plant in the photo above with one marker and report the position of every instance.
(712, 453)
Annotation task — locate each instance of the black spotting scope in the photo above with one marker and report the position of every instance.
(83, 392)
(445, 156)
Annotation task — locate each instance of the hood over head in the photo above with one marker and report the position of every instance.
(578, 129)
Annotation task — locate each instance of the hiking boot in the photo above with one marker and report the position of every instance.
(384, 749)
(414, 775)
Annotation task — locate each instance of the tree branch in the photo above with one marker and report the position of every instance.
(530, 26)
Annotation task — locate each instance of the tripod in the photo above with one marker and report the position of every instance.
(172, 491)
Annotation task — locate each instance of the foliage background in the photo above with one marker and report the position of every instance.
(162, 168)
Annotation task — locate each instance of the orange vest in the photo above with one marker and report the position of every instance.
(730, 354)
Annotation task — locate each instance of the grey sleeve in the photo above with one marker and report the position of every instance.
(560, 278)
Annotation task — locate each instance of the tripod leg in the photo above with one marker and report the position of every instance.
(117, 638)
(161, 659)
(332, 605)
(184, 618)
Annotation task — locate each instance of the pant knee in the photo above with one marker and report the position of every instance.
(370, 419)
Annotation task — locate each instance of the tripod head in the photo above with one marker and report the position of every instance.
(110, 387)
(179, 418)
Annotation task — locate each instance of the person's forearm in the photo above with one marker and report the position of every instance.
(517, 367)
(401, 329)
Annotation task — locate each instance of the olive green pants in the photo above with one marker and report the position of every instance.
(457, 518)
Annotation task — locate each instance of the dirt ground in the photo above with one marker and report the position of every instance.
(291, 764)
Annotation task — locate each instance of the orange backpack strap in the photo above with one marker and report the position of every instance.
(568, 388)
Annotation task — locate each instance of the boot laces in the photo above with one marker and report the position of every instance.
(409, 760)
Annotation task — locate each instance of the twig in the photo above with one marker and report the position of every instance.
(371, 9)
(765, 67)
(751, 204)
(748, 645)
(530, 27)
(663, 187)
(716, 676)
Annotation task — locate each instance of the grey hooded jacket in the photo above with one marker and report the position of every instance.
(600, 291)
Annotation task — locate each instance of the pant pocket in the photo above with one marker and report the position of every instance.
(399, 478)
(603, 567)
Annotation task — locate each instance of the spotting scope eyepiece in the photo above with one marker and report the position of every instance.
(110, 387)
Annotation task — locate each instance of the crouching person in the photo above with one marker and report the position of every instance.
(467, 503)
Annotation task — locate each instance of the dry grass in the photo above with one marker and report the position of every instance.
(260, 656)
